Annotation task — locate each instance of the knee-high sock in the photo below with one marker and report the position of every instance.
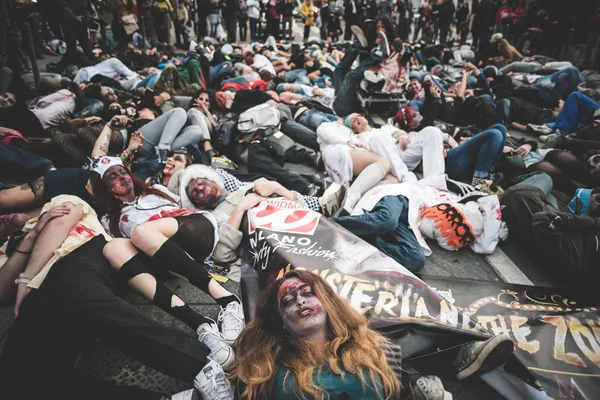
(367, 179)
(171, 257)
(162, 295)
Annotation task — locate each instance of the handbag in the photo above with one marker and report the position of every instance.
(129, 23)
(276, 142)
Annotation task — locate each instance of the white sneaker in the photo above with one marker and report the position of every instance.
(231, 321)
(212, 383)
(333, 200)
(539, 129)
(220, 351)
(372, 76)
(190, 394)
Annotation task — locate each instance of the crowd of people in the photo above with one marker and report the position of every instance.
(136, 158)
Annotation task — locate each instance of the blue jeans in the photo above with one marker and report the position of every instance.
(347, 81)
(217, 70)
(91, 107)
(313, 118)
(575, 114)
(297, 76)
(149, 81)
(386, 227)
(477, 156)
(559, 84)
(240, 80)
(21, 164)
(213, 30)
(540, 180)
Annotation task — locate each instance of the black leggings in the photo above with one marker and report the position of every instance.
(563, 166)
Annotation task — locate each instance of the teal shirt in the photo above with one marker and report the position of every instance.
(348, 388)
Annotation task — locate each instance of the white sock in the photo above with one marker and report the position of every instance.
(367, 179)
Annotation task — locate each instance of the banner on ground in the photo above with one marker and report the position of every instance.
(556, 331)
(557, 334)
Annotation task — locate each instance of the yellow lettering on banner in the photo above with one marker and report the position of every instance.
(503, 328)
(448, 315)
(521, 332)
(334, 280)
(560, 352)
(421, 309)
(595, 327)
(349, 281)
(358, 297)
(405, 309)
(491, 321)
(578, 331)
(386, 302)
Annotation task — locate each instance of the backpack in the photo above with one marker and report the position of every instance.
(262, 116)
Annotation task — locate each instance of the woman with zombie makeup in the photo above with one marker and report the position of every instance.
(177, 160)
(307, 342)
(176, 241)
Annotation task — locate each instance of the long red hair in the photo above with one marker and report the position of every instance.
(108, 205)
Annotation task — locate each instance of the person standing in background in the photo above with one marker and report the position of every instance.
(163, 15)
(287, 10)
(518, 22)
(230, 15)
(308, 14)
(273, 10)
(446, 15)
(462, 21)
(243, 20)
(503, 18)
(435, 18)
(214, 17)
(120, 9)
(385, 8)
(352, 13)
(253, 17)
(181, 20)
(370, 9)
(202, 8)
(423, 19)
(484, 22)
(325, 18)
(145, 10)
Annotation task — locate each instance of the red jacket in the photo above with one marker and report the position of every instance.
(502, 14)
(254, 85)
(519, 14)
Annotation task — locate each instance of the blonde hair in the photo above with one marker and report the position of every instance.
(352, 347)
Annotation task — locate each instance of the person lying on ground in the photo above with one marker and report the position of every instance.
(157, 225)
(79, 302)
(229, 198)
(566, 243)
(297, 317)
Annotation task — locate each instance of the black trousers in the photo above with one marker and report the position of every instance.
(260, 161)
(77, 302)
(444, 29)
(296, 131)
(73, 32)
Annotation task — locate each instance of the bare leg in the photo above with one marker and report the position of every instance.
(23, 197)
(120, 251)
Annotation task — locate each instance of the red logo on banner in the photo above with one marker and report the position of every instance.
(283, 216)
